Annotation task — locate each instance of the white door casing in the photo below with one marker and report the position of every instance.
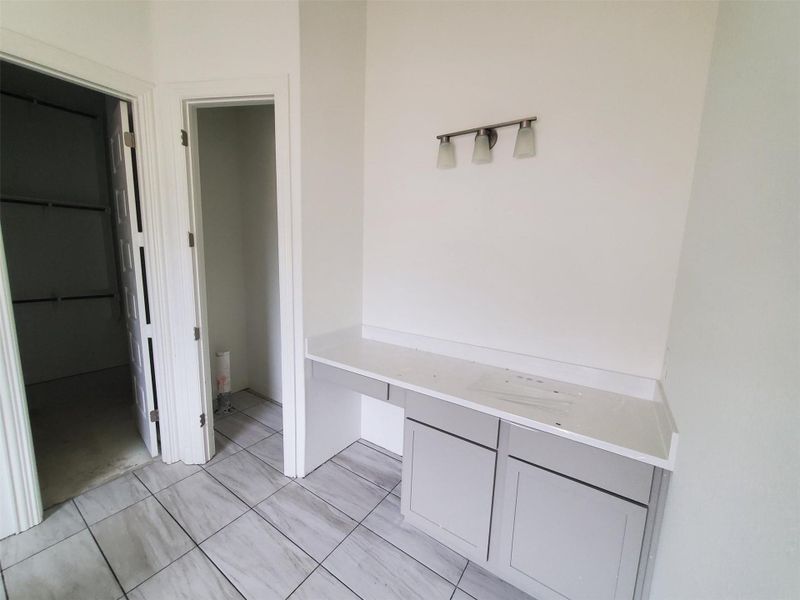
(157, 117)
(131, 265)
(176, 106)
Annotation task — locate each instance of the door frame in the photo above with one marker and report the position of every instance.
(20, 499)
(179, 104)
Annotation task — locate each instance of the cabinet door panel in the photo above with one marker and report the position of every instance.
(563, 539)
(448, 484)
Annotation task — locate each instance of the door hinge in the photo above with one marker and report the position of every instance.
(154, 416)
(203, 420)
(191, 240)
(196, 333)
(184, 137)
(129, 139)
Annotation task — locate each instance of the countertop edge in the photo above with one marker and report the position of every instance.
(662, 463)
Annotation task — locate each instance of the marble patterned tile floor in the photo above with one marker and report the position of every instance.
(236, 529)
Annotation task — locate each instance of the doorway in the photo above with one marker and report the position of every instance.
(235, 206)
(72, 233)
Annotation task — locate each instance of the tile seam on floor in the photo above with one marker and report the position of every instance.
(274, 433)
(218, 530)
(162, 568)
(291, 541)
(460, 577)
(393, 545)
(266, 463)
(196, 545)
(382, 451)
(319, 563)
(237, 495)
(340, 542)
(244, 414)
(4, 569)
(336, 462)
(105, 558)
(150, 495)
(361, 523)
(330, 460)
(253, 509)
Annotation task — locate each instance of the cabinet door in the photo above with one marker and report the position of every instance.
(448, 484)
(563, 539)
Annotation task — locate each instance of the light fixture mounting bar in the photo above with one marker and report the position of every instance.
(489, 127)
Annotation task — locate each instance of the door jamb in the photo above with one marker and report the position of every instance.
(176, 99)
(20, 498)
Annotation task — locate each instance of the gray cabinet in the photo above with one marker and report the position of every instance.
(447, 488)
(560, 538)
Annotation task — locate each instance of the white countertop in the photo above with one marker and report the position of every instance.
(641, 429)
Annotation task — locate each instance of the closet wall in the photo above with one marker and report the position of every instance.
(240, 242)
(51, 155)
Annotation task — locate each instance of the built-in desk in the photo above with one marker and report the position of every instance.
(637, 428)
(554, 486)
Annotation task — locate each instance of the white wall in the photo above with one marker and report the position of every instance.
(256, 127)
(732, 526)
(115, 34)
(332, 62)
(223, 240)
(571, 255)
(240, 242)
(332, 46)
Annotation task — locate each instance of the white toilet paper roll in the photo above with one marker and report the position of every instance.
(222, 369)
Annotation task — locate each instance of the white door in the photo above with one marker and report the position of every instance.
(131, 265)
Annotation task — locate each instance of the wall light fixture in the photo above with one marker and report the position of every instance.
(485, 139)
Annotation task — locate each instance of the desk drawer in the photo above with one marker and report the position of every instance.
(353, 381)
(608, 471)
(452, 418)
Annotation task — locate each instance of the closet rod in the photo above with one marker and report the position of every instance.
(60, 298)
(51, 203)
(47, 104)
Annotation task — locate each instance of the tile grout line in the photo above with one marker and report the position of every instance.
(342, 540)
(152, 493)
(383, 451)
(214, 477)
(85, 526)
(196, 545)
(248, 417)
(103, 554)
(253, 510)
(181, 526)
(360, 523)
(336, 462)
(257, 513)
(78, 508)
(330, 460)
(459, 580)
(414, 558)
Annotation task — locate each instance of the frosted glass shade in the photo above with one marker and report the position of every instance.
(524, 148)
(481, 153)
(447, 155)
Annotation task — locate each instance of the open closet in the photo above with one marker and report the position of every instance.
(235, 212)
(72, 233)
